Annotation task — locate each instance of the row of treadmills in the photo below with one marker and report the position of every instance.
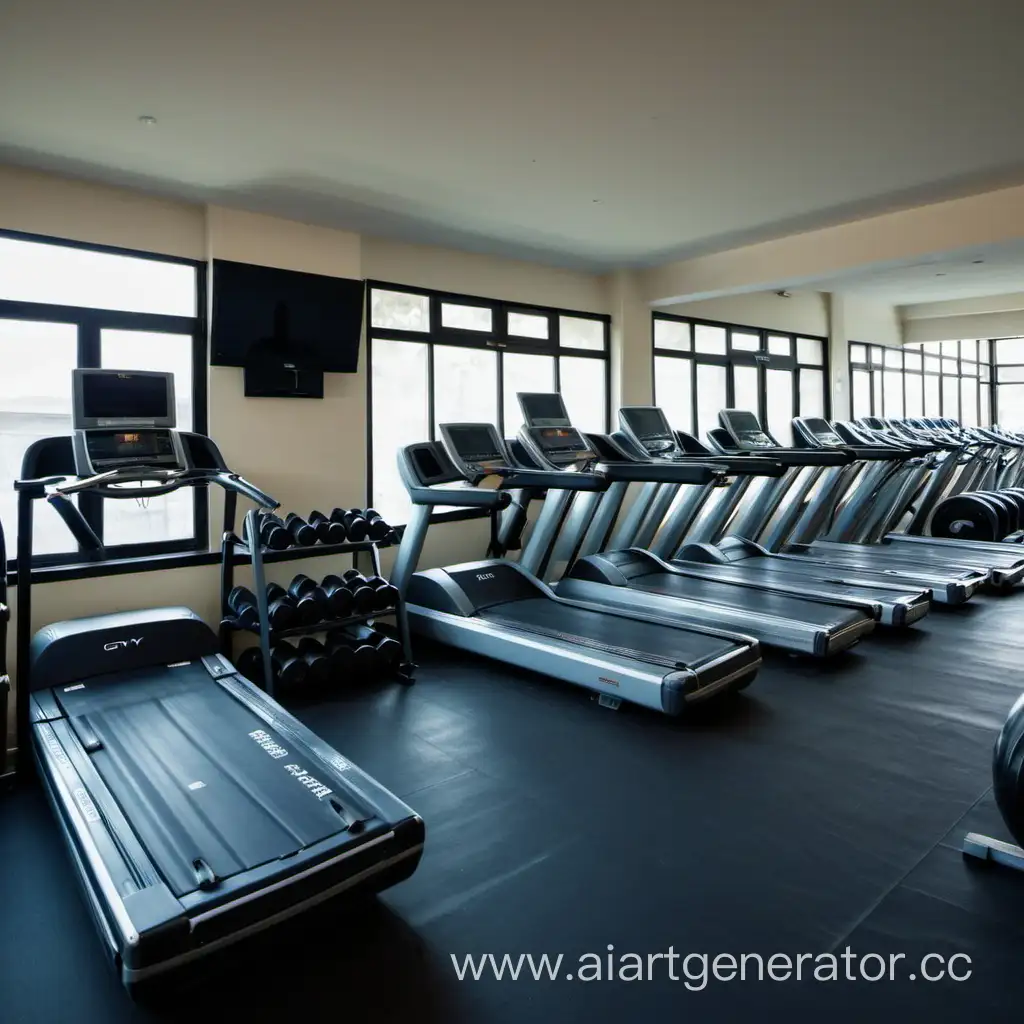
(659, 565)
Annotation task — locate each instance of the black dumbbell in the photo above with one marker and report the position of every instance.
(339, 597)
(302, 533)
(341, 658)
(282, 610)
(327, 529)
(365, 662)
(318, 664)
(250, 664)
(356, 527)
(377, 529)
(389, 650)
(242, 603)
(310, 600)
(385, 593)
(364, 598)
(290, 668)
(273, 535)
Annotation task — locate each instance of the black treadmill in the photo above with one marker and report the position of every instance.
(195, 808)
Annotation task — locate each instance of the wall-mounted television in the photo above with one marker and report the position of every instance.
(313, 320)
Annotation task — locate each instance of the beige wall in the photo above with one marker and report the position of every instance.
(877, 323)
(986, 219)
(308, 453)
(85, 212)
(989, 316)
(804, 312)
(488, 276)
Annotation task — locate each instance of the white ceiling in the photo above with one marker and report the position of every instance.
(991, 270)
(584, 132)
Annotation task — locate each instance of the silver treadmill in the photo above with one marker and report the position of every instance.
(638, 580)
(950, 582)
(498, 609)
(1004, 562)
(646, 436)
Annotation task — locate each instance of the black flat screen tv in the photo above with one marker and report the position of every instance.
(310, 320)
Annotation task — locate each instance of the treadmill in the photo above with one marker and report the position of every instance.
(950, 583)
(638, 580)
(646, 436)
(497, 609)
(1004, 563)
(196, 809)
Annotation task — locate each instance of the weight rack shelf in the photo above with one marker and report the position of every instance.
(241, 554)
(236, 551)
(323, 626)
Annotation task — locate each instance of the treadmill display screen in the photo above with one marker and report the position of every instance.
(543, 410)
(125, 396)
(647, 423)
(111, 447)
(822, 432)
(747, 431)
(559, 439)
(475, 442)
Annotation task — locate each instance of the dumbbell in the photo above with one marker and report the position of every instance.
(365, 662)
(327, 530)
(363, 597)
(317, 662)
(289, 669)
(356, 527)
(339, 597)
(310, 600)
(385, 593)
(302, 533)
(389, 650)
(282, 610)
(273, 535)
(377, 528)
(242, 603)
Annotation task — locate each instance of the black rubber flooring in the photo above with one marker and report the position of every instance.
(822, 809)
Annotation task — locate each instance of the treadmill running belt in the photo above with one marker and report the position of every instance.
(757, 602)
(178, 754)
(648, 641)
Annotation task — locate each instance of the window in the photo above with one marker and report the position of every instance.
(64, 305)
(1006, 368)
(702, 367)
(923, 379)
(438, 358)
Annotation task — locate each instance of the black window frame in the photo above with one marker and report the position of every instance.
(90, 323)
(762, 358)
(497, 340)
(875, 362)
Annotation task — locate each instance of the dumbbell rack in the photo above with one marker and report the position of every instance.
(236, 551)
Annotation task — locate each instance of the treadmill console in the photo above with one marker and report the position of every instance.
(562, 447)
(124, 420)
(745, 430)
(475, 449)
(647, 427)
(820, 431)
